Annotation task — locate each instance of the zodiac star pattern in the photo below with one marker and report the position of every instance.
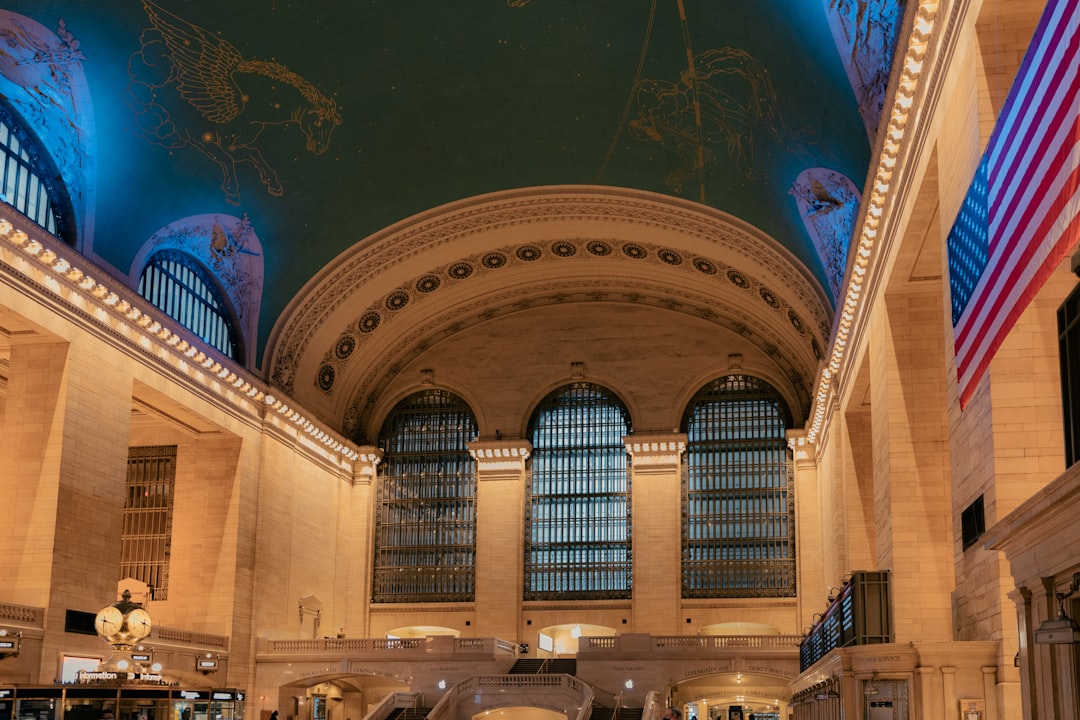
(732, 94)
(192, 88)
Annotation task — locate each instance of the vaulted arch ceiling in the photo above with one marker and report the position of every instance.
(338, 132)
(384, 304)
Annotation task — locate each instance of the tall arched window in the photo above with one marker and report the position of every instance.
(425, 515)
(27, 178)
(577, 543)
(738, 500)
(179, 286)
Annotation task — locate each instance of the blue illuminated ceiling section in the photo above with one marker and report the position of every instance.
(324, 123)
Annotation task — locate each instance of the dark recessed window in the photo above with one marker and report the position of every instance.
(973, 522)
(79, 622)
(1069, 357)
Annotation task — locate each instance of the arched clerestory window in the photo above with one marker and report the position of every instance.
(182, 288)
(577, 537)
(425, 513)
(28, 182)
(738, 499)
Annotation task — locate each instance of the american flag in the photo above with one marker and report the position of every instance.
(1021, 216)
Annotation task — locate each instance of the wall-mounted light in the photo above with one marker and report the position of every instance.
(9, 643)
(206, 664)
(311, 605)
(1062, 630)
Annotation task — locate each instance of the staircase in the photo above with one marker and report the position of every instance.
(538, 666)
(626, 713)
(409, 714)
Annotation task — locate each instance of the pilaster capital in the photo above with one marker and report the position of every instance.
(500, 459)
(801, 448)
(655, 453)
(367, 462)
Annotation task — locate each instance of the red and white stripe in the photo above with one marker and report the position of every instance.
(1034, 190)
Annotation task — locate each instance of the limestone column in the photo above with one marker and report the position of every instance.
(990, 690)
(949, 699)
(928, 693)
(500, 536)
(657, 521)
(63, 446)
(912, 498)
(1029, 685)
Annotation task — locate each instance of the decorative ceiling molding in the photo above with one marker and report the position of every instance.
(538, 217)
(733, 289)
(371, 374)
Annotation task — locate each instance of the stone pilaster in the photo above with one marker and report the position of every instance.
(361, 521)
(500, 536)
(64, 447)
(912, 498)
(809, 529)
(656, 501)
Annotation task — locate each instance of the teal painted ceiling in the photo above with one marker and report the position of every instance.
(325, 122)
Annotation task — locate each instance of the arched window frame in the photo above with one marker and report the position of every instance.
(738, 534)
(578, 511)
(29, 178)
(425, 509)
(181, 287)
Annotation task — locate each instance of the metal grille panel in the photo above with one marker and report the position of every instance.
(425, 525)
(577, 543)
(739, 533)
(146, 542)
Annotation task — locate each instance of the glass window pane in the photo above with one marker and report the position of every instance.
(425, 518)
(25, 175)
(178, 286)
(147, 529)
(739, 536)
(577, 542)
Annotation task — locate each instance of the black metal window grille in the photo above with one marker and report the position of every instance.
(177, 285)
(577, 525)
(972, 523)
(738, 498)
(1068, 317)
(425, 518)
(25, 177)
(146, 542)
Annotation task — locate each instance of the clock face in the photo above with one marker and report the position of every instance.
(138, 623)
(108, 621)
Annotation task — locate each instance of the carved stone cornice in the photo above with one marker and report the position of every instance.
(500, 459)
(367, 464)
(39, 265)
(656, 454)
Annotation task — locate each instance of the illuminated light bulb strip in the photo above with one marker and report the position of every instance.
(914, 59)
(145, 324)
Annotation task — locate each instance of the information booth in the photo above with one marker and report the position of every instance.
(74, 702)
